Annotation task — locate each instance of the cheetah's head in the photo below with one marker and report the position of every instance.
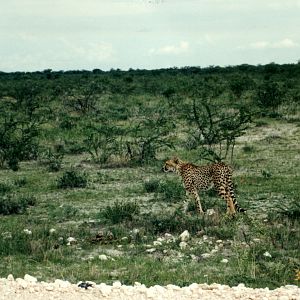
(171, 165)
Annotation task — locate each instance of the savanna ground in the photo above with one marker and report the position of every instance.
(78, 209)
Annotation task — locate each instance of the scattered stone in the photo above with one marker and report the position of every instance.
(224, 261)
(71, 241)
(183, 245)
(23, 283)
(29, 278)
(62, 283)
(210, 212)
(157, 243)
(103, 257)
(151, 250)
(135, 231)
(27, 231)
(205, 255)
(184, 236)
(267, 254)
(10, 277)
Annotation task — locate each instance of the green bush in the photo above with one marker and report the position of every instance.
(175, 223)
(151, 186)
(4, 188)
(15, 205)
(19, 182)
(53, 159)
(120, 211)
(171, 191)
(72, 179)
(62, 213)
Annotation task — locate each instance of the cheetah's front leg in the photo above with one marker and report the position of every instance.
(196, 197)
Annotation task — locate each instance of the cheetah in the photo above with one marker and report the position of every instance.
(202, 178)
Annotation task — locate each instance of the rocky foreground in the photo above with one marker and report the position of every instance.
(30, 288)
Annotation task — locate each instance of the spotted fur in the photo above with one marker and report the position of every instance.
(203, 177)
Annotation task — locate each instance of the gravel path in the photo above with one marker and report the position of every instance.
(30, 289)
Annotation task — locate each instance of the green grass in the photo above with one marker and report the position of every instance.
(138, 205)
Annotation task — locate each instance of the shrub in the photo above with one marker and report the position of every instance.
(72, 179)
(248, 148)
(176, 222)
(11, 205)
(292, 210)
(171, 190)
(120, 211)
(62, 213)
(53, 159)
(19, 182)
(4, 188)
(151, 186)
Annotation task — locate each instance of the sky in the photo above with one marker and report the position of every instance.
(146, 34)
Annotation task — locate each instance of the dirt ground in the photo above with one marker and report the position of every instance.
(28, 288)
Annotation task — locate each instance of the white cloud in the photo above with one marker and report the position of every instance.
(183, 47)
(94, 52)
(285, 43)
(282, 44)
(260, 45)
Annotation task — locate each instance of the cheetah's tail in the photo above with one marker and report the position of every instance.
(238, 208)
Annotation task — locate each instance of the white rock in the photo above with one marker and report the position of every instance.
(205, 255)
(10, 277)
(157, 243)
(29, 278)
(52, 230)
(194, 257)
(210, 212)
(185, 236)
(267, 254)
(183, 245)
(283, 297)
(135, 231)
(224, 261)
(23, 283)
(168, 236)
(117, 284)
(104, 289)
(49, 287)
(27, 231)
(103, 257)
(61, 283)
(71, 241)
(151, 250)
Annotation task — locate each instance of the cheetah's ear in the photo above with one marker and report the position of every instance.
(176, 160)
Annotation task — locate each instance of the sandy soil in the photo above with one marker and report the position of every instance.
(28, 288)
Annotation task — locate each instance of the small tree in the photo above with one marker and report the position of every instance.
(84, 98)
(102, 141)
(269, 95)
(152, 133)
(18, 141)
(215, 125)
